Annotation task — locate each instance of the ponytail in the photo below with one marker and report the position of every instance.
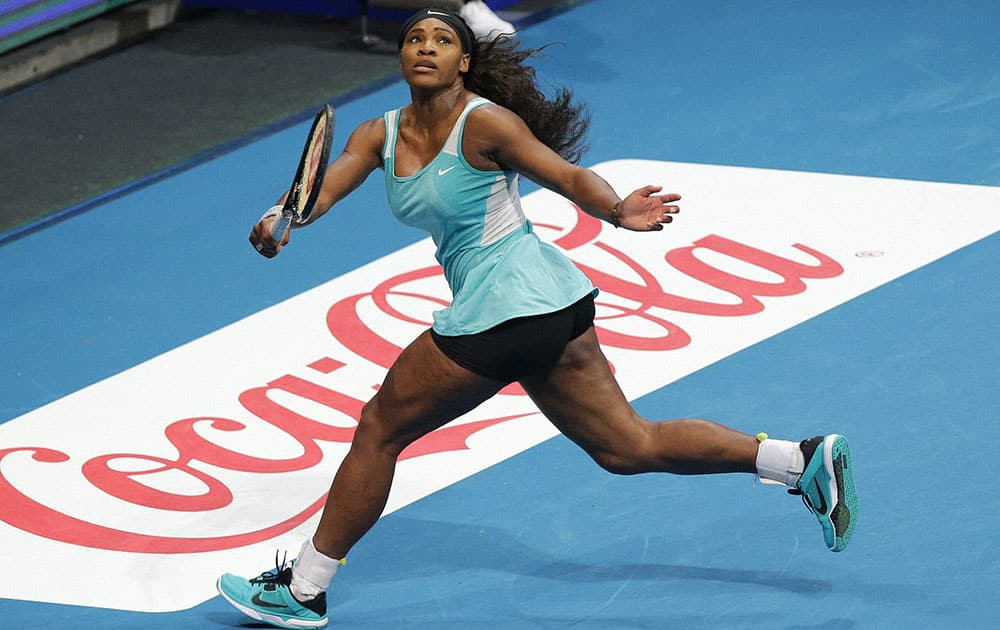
(497, 72)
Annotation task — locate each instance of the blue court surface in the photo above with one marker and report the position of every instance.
(868, 132)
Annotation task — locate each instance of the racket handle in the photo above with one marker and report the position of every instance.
(280, 228)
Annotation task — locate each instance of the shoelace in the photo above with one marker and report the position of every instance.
(274, 575)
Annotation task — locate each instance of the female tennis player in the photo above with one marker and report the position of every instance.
(521, 311)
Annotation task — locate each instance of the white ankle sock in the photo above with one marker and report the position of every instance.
(780, 461)
(312, 572)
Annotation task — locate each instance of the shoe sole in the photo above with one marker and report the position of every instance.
(274, 620)
(844, 515)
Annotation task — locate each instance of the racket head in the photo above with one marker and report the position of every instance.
(312, 165)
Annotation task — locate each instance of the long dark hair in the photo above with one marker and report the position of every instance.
(498, 72)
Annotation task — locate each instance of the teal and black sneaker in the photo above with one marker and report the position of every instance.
(827, 487)
(267, 598)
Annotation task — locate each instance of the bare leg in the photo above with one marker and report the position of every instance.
(582, 399)
(422, 391)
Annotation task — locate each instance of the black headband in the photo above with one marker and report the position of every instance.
(453, 20)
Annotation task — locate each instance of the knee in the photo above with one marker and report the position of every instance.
(373, 433)
(618, 463)
(626, 458)
(633, 451)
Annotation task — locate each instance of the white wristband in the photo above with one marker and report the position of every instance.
(273, 211)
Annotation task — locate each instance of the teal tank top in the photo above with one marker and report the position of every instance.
(496, 266)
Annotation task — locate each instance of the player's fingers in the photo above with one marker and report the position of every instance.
(648, 190)
(667, 198)
(656, 222)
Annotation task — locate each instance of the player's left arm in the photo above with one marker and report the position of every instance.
(502, 137)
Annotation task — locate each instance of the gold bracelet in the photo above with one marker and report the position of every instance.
(616, 214)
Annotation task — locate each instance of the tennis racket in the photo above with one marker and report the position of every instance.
(309, 176)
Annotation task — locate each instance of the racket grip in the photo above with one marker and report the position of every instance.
(280, 228)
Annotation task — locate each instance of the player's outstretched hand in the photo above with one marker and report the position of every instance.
(645, 211)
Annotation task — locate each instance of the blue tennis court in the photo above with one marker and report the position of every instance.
(834, 269)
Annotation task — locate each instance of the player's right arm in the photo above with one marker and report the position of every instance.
(361, 156)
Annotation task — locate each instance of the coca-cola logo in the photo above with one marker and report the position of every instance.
(124, 476)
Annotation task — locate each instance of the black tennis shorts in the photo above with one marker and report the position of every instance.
(521, 346)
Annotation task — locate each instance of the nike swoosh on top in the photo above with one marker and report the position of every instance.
(442, 171)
